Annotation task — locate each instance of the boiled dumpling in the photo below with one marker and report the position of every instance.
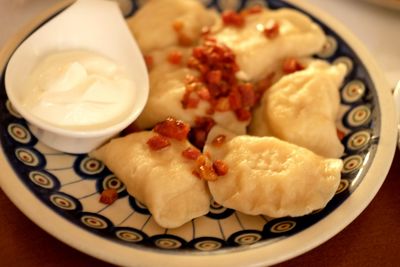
(152, 25)
(302, 108)
(167, 88)
(162, 179)
(258, 55)
(272, 177)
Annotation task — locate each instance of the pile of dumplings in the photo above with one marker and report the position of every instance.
(282, 162)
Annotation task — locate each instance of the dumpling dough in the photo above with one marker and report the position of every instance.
(272, 177)
(152, 25)
(258, 55)
(162, 180)
(302, 108)
(167, 88)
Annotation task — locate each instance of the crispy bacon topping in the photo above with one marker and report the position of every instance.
(218, 140)
(108, 196)
(172, 128)
(204, 169)
(220, 167)
(340, 134)
(271, 29)
(191, 153)
(232, 18)
(291, 65)
(175, 57)
(198, 133)
(158, 142)
(217, 82)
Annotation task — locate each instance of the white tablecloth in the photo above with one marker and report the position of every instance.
(377, 27)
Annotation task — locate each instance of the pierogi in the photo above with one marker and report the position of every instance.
(258, 56)
(302, 108)
(162, 180)
(152, 25)
(272, 177)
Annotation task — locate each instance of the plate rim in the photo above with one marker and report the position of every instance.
(273, 253)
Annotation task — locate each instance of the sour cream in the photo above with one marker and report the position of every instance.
(79, 90)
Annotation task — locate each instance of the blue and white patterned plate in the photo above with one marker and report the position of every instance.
(60, 192)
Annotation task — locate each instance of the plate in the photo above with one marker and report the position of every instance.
(60, 192)
(392, 4)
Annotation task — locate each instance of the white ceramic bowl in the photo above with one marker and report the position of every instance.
(73, 29)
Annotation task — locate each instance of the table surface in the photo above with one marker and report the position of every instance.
(373, 239)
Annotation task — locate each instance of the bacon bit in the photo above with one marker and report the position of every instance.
(247, 94)
(172, 128)
(175, 57)
(205, 169)
(158, 142)
(235, 100)
(149, 61)
(198, 133)
(188, 101)
(177, 25)
(218, 140)
(132, 128)
(291, 65)
(220, 167)
(184, 39)
(214, 77)
(222, 104)
(243, 114)
(340, 134)
(203, 93)
(233, 18)
(108, 196)
(191, 153)
(196, 173)
(271, 29)
(261, 86)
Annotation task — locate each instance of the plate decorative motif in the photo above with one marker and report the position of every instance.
(69, 185)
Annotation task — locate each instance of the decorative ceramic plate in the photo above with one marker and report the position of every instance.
(392, 4)
(60, 192)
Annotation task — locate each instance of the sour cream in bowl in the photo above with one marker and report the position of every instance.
(79, 80)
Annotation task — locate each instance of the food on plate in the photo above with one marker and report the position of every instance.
(271, 177)
(267, 38)
(80, 90)
(210, 77)
(302, 108)
(156, 168)
(162, 23)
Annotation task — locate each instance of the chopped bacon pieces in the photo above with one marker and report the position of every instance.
(232, 18)
(175, 57)
(220, 167)
(271, 29)
(218, 140)
(109, 196)
(158, 142)
(191, 153)
(204, 169)
(198, 133)
(183, 38)
(172, 128)
(340, 134)
(243, 114)
(291, 65)
(217, 81)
